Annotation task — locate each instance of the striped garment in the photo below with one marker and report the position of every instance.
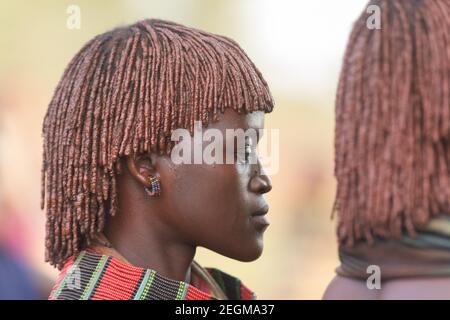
(94, 276)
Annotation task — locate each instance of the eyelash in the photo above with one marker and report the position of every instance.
(244, 155)
(247, 152)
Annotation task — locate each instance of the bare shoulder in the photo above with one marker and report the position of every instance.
(342, 288)
(417, 288)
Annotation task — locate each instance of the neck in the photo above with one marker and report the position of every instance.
(149, 246)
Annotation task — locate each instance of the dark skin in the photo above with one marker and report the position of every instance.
(207, 205)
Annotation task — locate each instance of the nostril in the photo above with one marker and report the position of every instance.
(268, 186)
(260, 184)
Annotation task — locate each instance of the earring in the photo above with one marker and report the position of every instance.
(155, 187)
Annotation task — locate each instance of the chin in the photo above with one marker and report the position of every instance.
(248, 253)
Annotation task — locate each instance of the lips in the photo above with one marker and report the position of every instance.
(261, 212)
(259, 218)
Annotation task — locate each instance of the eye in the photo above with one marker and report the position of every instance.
(245, 153)
(248, 149)
(248, 152)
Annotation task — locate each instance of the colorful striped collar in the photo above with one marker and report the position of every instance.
(94, 276)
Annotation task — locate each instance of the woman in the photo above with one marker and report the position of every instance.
(392, 159)
(123, 219)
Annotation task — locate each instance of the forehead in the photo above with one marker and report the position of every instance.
(230, 119)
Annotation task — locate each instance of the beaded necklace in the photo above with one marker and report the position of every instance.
(104, 274)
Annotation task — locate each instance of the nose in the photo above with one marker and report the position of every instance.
(260, 183)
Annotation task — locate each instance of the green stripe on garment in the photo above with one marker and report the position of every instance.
(424, 241)
(143, 284)
(217, 275)
(94, 278)
(68, 274)
(147, 285)
(237, 288)
(352, 263)
(182, 289)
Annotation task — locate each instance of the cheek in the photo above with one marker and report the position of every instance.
(209, 196)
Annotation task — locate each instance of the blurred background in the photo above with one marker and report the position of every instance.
(297, 44)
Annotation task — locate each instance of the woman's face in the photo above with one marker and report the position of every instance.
(220, 206)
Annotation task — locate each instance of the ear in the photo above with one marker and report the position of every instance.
(142, 167)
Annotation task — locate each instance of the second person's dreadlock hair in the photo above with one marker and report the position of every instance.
(392, 138)
(125, 92)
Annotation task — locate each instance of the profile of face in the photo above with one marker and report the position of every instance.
(217, 206)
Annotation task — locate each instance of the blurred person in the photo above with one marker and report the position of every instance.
(124, 220)
(392, 156)
(18, 279)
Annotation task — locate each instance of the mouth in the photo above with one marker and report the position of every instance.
(261, 211)
(259, 218)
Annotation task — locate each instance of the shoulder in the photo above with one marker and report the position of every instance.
(231, 285)
(343, 288)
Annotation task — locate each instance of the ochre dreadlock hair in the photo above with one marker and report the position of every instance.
(392, 134)
(125, 92)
